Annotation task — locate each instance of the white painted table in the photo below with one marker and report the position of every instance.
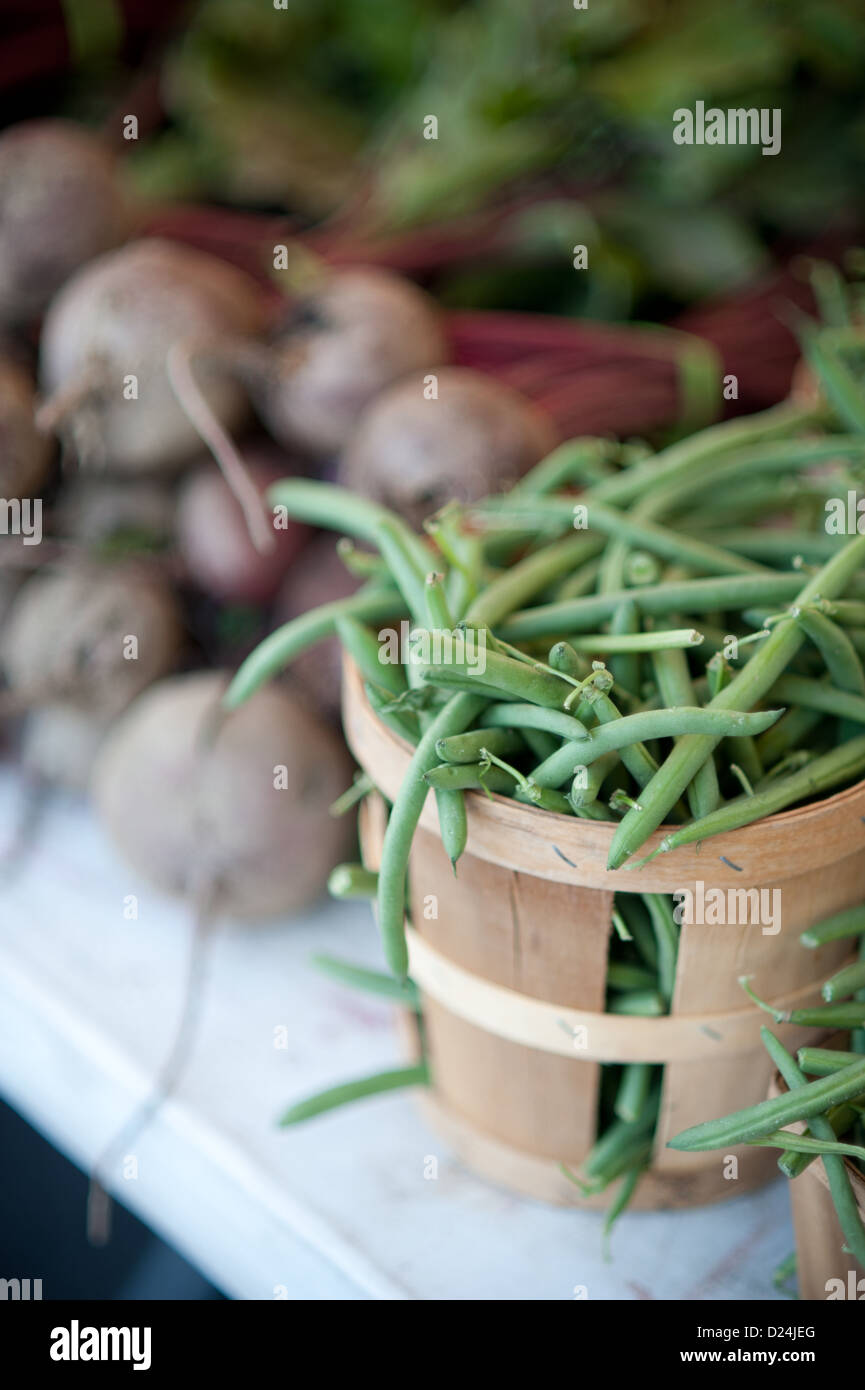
(339, 1208)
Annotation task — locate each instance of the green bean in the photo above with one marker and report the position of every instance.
(591, 810)
(845, 984)
(544, 798)
(526, 659)
(622, 974)
(836, 1172)
(464, 554)
(671, 545)
(746, 505)
(633, 1090)
(753, 473)
(625, 666)
(438, 613)
(748, 686)
(619, 924)
(631, 1153)
(630, 1180)
(402, 561)
(450, 804)
(825, 1061)
(805, 1144)
(784, 1276)
(453, 822)
(778, 547)
(847, 612)
(842, 1015)
(631, 730)
(355, 1090)
(830, 292)
(813, 1098)
(362, 563)
(361, 786)
(621, 799)
(582, 581)
(535, 717)
(659, 540)
(466, 748)
(363, 647)
(786, 735)
(276, 651)
(647, 1003)
(611, 574)
(565, 659)
(577, 460)
(530, 576)
(667, 940)
(352, 881)
(539, 743)
(836, 649)
(416, 699)
(635, 756)
(848, 1014)
(746, 755)
(635, 1155)
(337, 509)
(641, 932)
(641, 569)
(468, 777)
(345, 972)
(528, 791)
(568, 761)
(841, 388)
(840, 765)
(674, 682)
(456, 716)
(793, 1163)
(637, 641)
(397, 716)
(503, 673)
(587, 781)
(693, 596)
(792, 762)
(619, 1137)
(682, 459)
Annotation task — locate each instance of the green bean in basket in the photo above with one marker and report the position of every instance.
(709, 734)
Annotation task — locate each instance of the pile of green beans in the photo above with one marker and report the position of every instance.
(656, 639)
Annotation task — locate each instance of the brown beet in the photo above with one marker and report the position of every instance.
(117, 321)
(213, 538)
(67, 636)
(60, 205)
(415, 454)
(92, 510)
(194, 811)
(338, 348)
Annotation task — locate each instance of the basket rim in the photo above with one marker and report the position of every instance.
(508, 833)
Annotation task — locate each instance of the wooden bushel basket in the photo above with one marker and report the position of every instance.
(820, 1256)
(512, 973)
(819, 1239)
